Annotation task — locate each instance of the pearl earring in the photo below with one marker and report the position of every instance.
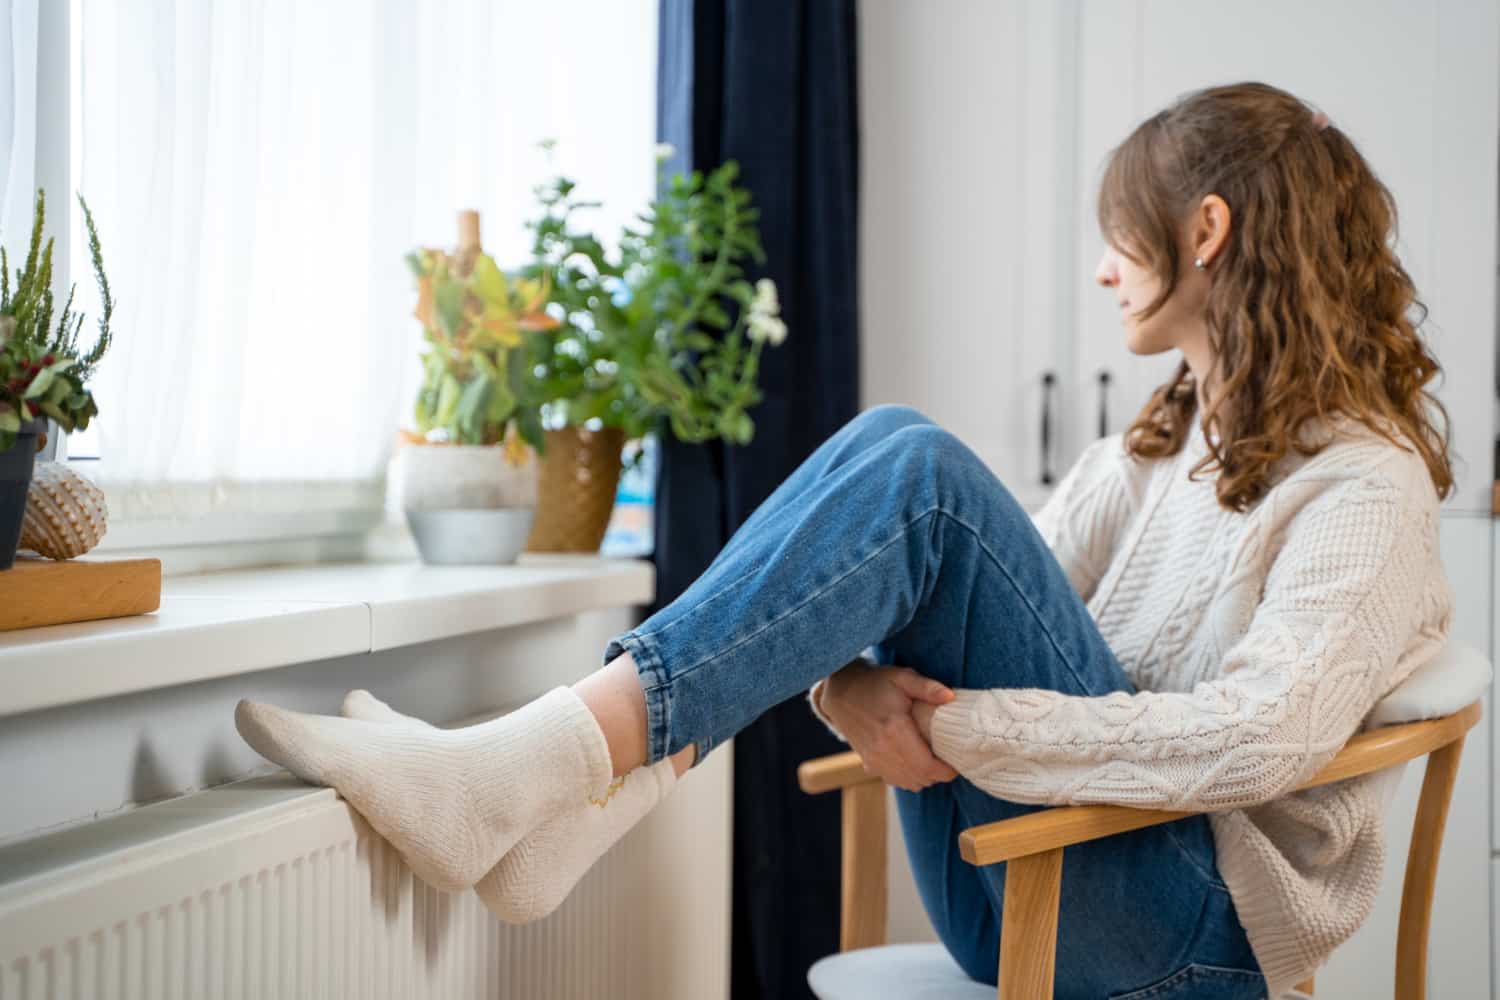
(1198, 263)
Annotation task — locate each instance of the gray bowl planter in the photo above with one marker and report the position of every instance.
(471, 537)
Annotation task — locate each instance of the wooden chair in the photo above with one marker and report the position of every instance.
(1430, 713)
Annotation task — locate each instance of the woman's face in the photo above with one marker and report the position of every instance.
(1179, 320)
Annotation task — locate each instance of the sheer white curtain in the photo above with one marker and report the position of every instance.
(18, 83)
(257, 169)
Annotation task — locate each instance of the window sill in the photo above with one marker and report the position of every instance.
(207, 527)
(220, 624)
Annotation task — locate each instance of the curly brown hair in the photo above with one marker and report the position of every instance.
(1310, 314)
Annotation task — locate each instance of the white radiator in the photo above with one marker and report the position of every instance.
(267, 888)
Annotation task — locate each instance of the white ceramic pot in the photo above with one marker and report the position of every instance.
(457, 476)
(464, 504)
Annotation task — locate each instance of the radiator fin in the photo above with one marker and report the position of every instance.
(342, 917)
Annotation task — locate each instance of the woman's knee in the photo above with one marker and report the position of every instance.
(933, 446)
(891, 417)
(946, 468)
(874, 428)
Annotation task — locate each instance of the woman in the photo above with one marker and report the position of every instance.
(1199, 618)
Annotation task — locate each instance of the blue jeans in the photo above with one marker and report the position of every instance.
(894, 535)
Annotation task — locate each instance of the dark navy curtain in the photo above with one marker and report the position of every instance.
(771, 84)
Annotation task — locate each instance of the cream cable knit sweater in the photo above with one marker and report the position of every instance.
(1258, 642)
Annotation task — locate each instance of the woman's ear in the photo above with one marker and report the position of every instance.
(1210, 230)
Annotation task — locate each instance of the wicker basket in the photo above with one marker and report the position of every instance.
(579, 476)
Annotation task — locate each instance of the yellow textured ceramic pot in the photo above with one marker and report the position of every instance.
(580, 473)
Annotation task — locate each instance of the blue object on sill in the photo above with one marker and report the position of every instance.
(630, 531)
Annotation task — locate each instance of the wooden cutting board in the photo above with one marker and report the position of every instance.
(42, 592)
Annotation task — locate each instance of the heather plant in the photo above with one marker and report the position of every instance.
(43, 372)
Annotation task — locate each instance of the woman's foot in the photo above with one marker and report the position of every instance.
(452, 802)
(536, 875)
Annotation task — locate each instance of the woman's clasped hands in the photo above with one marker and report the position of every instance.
(885, 712)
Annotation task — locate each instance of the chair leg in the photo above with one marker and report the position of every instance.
(862, 888)
(1028, 926)
(1421, 870)
(1306, 986)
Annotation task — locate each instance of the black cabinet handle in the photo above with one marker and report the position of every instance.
(1048, 381)
(1104, 379)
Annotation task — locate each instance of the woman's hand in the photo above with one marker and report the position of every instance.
(873, 707)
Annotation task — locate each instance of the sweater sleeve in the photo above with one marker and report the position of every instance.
(1084, 517)
(1348, 590)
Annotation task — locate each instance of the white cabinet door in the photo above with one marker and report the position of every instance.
(1111, 102)
(1416, 85)
(966, 189)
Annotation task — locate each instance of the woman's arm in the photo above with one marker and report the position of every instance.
(1349, 607)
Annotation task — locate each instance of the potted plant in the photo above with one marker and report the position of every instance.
(466, 476)
(42, 372)
(666, 332)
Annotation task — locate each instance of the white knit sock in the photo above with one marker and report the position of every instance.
(537, 874)
(451, 801)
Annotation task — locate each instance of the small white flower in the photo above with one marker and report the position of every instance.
(777, 331)
(764, 314)
(764, 327)
(665, 151)
(765, 298)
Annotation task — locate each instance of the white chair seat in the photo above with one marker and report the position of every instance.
(894, 972)
(905, 972)
(1455, 678)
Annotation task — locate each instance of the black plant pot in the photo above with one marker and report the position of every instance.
(16, 464)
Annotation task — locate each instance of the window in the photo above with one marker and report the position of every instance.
(257, 171)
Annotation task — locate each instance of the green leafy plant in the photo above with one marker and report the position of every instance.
(475, 388)
(670, 326)
(42, 372)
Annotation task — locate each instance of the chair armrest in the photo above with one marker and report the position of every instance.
(839, 770)
(1049, 829)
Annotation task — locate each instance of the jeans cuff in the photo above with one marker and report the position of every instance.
(656, 682)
